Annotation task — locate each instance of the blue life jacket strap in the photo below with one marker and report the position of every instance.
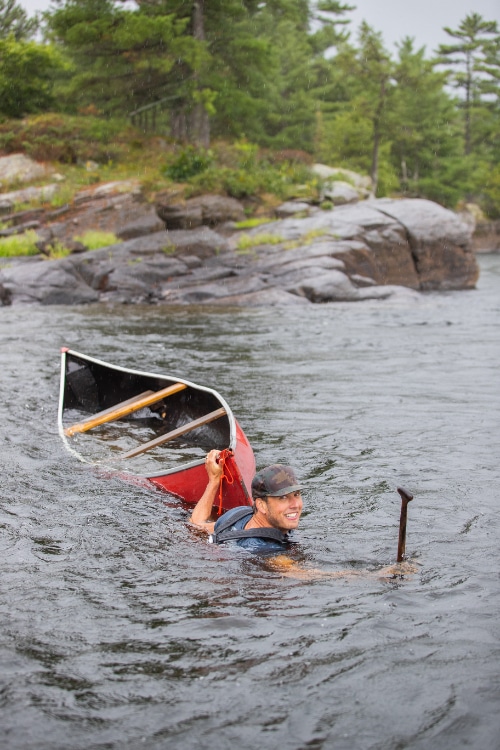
(225, 533)
(262, 533)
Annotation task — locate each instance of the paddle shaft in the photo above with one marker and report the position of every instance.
(405, 499)
(122, 410)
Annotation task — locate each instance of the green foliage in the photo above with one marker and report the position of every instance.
(242, 170)
(347, 137)
(247, 241)
(242, 183)
(57, 250)
(490, 194)
(63, 138)
(251, 223)
(388, 178)
(424, 125)
(398, 117)
(26, 76)
(206, 73)
(189, 162)
(474, 39)
(355, 133)
(94, 239)
(14, 21)
(283, 112)
(19, 244)
(125, 59)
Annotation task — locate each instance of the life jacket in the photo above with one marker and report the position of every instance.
(225, 533)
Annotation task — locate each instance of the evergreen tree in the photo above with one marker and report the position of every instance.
(190, 114)
(124, 59)
(14, 21)
(238, 67)
(467, 56)
(487, 129)
(327, 16)
(357, 130)
(258, 64)
(423, 124)
(293, 80)
(26, 75)
(489, 85)
(376, 68)
(287, 99)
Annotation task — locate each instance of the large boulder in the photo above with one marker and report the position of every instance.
(339, 173)
(293, 208)
(9, 200)
(20, 168)
(368, 242)
(133, 271)
(441, 244)
(360, 184)
(107, 190)
(45, 282)
(413, 243)
(368, 250)
(116, 208)
(207, 210)
(340, 193)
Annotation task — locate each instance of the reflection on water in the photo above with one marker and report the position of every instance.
(121, 626)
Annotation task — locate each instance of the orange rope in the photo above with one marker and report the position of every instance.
(226, 474)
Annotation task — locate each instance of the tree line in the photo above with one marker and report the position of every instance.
(282, 74)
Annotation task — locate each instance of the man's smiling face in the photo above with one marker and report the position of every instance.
(283, 512)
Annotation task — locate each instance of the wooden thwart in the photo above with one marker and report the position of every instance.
(147, 398)
(174, 433)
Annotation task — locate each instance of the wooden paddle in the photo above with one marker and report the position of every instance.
(124, 408)
(405, 499)
(173, 434)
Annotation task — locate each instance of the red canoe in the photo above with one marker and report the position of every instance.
(152, 428)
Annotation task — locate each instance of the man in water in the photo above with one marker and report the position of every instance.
(276, 511)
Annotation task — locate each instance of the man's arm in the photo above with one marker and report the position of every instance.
(291, 569)
(201, 515)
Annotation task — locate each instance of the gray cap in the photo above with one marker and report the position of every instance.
(275, 480)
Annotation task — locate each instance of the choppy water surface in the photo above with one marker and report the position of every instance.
(120, 626)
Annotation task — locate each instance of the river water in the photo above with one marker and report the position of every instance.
(120, 627)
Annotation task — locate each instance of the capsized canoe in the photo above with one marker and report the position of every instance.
(152, 428)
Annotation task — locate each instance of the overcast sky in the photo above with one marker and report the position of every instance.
(421, 19)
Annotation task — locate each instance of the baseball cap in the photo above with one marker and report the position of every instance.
(275, 480)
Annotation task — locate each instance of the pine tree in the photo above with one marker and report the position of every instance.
(26, 75)
(423, 124)
(14, 21)
(259, 58)
(467, 56)
(376, 69)
(124, 59)
(487, 130)
(357, 130)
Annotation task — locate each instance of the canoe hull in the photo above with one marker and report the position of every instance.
(190, 484)
(89, 385)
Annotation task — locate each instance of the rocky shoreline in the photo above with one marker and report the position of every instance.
(190, 252)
